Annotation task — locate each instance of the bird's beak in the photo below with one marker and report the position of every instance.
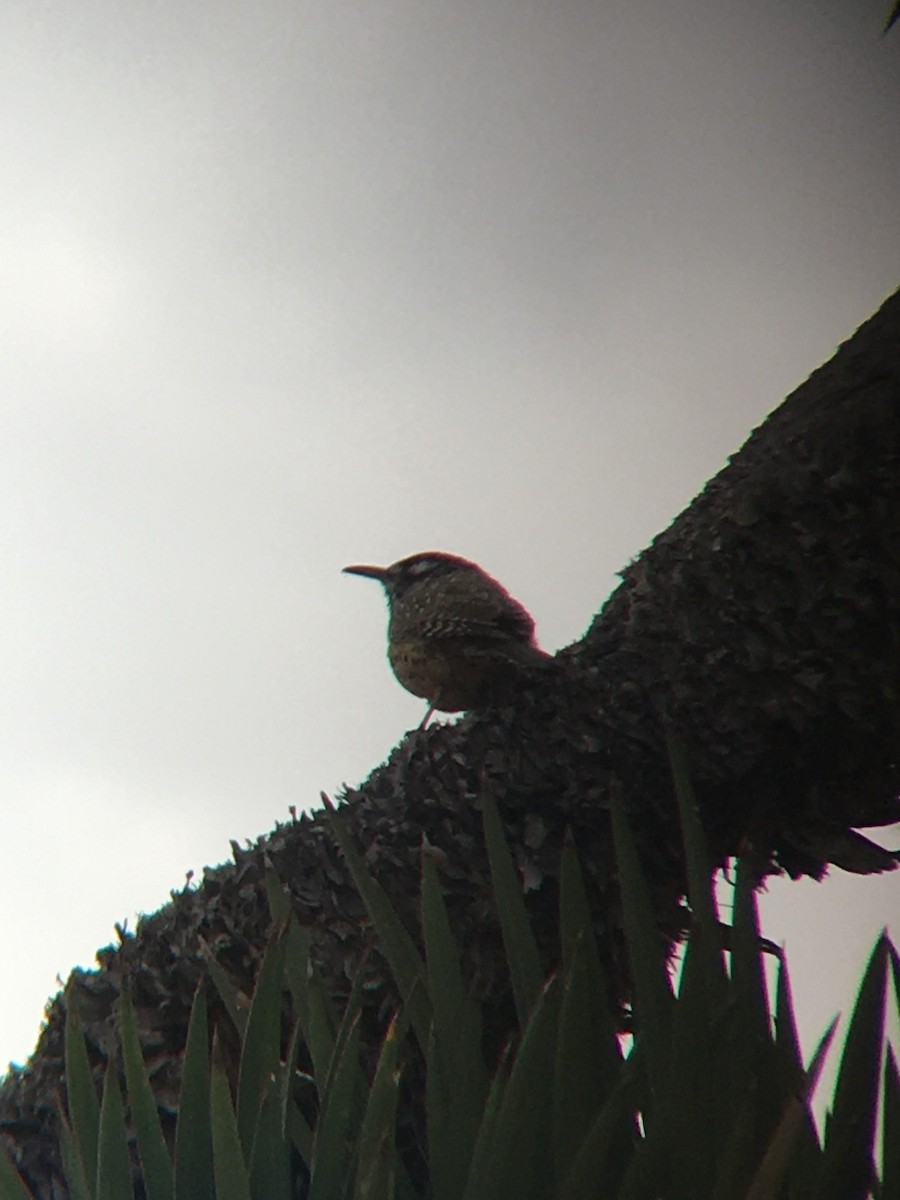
(369, 572)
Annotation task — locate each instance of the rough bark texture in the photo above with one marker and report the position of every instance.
(764, 622)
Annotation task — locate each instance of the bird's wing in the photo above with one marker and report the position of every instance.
(478, 614)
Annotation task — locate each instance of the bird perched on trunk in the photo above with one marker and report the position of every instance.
(455, 635)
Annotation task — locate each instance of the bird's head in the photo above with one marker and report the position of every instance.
(400, 576)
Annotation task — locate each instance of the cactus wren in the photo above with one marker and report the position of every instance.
(455, 636)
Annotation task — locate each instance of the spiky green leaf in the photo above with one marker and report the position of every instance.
(113, 1162)
(394, 940)
(377, 1151)
(194, 1177)
(156, 1166)
(270, 1163)
(81, 1097)
(522, 953)
(11, 1185)
(73, 1167)
(848, 1149)
(261, 1049)
(338, 1117)
(457, 1080)
(774, 1165)
(588, 1067)
(230, 1168)
(890, 1130)
(516, 1162)
(653, 999)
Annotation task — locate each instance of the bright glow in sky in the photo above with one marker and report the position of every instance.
(290, 285)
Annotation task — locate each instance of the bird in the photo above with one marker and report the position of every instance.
(456, 637)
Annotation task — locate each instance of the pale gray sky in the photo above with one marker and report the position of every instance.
(291, 285)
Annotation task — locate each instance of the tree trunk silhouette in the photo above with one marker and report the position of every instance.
(763, 623)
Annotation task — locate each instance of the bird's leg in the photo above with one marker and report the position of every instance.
(426, 718)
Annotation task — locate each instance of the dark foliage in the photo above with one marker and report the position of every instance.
(764, 622)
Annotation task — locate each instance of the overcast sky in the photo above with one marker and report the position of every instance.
(292, 285)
